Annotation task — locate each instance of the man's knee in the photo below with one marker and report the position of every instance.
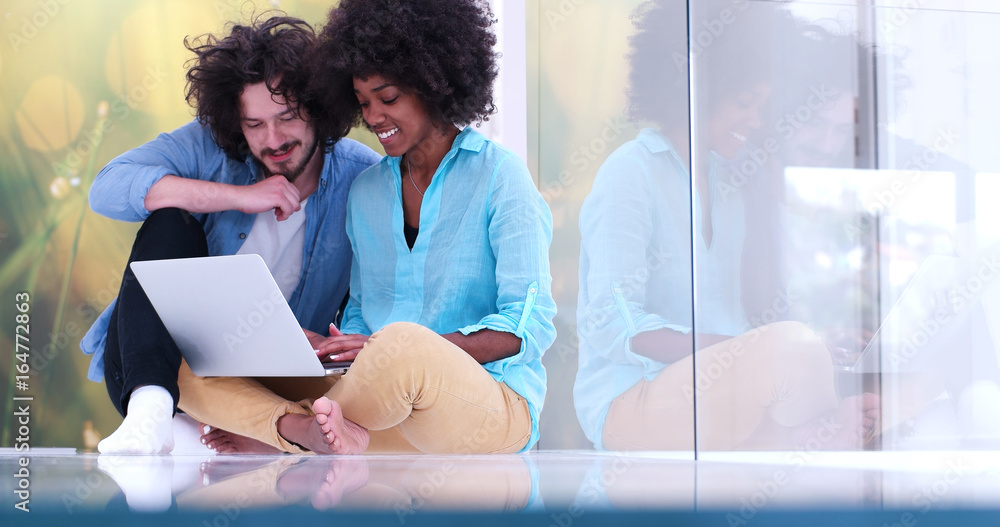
(172, 220)
(169, 231)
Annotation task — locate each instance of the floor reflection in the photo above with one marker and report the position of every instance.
(403, 484)
(561, 485)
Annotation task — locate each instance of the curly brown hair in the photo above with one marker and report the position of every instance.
(441, 50)
(274, 49)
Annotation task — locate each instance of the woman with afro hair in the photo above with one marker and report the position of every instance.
(450, 306)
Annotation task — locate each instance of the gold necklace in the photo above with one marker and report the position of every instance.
(409, 174)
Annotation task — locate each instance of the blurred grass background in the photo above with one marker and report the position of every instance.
(82, 83)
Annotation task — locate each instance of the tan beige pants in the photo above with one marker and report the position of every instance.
(412, 389)
(750, 391)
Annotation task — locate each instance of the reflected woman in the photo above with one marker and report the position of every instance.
(639, 314)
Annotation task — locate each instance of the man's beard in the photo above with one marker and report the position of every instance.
(291, 174)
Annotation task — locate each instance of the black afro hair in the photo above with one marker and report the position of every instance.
(441, 50)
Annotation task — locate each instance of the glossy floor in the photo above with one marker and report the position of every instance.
(563, 485)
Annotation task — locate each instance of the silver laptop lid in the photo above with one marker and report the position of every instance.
(228, 317)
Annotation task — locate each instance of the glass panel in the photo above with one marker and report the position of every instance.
(613, 76)
(939, 250)
(820, 234)
(784, 281)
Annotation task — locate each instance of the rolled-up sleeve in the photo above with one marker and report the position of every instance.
(616, 227)
(120, 188)
(520, 231)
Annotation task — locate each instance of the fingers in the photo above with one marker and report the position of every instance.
(290, 202)
(339, 343)
(315, 339)
(338, 356)
(274, 193)
(341, 354)
(346, 355)
(285, 209)
(334, 332)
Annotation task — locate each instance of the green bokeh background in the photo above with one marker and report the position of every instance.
(81, 82)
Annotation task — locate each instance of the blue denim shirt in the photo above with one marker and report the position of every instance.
(481, 260)
(119, 192)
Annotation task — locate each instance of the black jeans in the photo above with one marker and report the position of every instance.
(139, 350)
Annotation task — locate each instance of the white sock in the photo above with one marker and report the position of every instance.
(147, 428)
(144, 480)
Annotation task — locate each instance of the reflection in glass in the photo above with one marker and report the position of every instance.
(760, 378)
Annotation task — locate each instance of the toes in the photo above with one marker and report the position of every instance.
(224, 447)
(321, 501)
(322, 405)
(214, 435)
(327, 428)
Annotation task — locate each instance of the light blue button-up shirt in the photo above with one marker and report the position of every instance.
(119, 192)
(481, 260)
(635, 268)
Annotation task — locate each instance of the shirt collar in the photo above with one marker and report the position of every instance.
(469, 139)
(654, 141)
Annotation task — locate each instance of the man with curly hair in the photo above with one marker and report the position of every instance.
(450, 305)
(263, 170)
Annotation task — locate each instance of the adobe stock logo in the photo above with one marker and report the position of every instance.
(245, 326)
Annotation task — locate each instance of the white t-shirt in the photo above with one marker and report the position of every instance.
(280, 244)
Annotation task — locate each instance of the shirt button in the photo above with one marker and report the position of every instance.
(532, 290)
(243, 235)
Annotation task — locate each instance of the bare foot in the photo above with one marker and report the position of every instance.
(345, 475)
(338, 434)
(328, 432)
(849, 427)
(225, 442)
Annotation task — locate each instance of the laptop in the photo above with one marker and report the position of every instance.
(229, 319)
(920, 328)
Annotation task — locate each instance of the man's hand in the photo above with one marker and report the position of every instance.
(274, 193)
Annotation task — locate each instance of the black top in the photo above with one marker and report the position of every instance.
(411, 234)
